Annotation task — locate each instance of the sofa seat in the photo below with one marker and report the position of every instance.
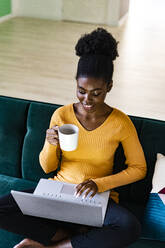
(8, 183)
(9, 239)
(145, 243)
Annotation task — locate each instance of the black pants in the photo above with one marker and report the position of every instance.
(120, 228)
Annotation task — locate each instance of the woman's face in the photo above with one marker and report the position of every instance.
(91, 92)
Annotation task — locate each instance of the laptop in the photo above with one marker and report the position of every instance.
(56, 200)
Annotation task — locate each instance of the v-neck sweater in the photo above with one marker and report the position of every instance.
(94, 157)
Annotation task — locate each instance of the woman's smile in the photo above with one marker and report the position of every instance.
(88, 107)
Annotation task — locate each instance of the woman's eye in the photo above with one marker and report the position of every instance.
(96, 94)
(81, 92)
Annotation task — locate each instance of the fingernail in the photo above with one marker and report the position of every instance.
(83, 197)
(77, 195)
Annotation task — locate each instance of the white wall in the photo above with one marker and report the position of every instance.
(92, 11)
(47, 9)
(112, 15)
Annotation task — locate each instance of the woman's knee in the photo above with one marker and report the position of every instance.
(131, 226)
(125, 222)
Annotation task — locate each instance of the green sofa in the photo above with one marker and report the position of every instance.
(22, 132)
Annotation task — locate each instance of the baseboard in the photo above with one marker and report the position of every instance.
(5, 18)
(123, 19)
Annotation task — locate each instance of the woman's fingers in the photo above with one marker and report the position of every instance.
(82, 188)
(89, 191)
(55, 128)
(81, 185)
(88, 186)
(52, 131)
(52, 135)
(93, 194)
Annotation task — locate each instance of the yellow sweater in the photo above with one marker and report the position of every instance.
(93, 159)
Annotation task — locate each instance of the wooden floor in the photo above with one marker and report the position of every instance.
(37, 60)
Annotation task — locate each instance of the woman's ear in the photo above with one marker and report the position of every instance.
(110, 86)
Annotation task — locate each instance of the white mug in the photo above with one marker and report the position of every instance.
(68, 137)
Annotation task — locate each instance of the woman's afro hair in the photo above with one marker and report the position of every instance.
(98, 42)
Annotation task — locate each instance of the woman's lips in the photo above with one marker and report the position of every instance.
(88, 106)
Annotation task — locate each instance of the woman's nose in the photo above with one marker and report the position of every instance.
(88, 97)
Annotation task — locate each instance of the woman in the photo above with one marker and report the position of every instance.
(90, 166)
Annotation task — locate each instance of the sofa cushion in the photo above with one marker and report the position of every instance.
(8, 183)
(153, 141)
(158, 180)
(38, 120)
(154, 218)
(8, 239)
(141, 243)
(13, 115)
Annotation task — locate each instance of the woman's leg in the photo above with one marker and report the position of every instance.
(12, 220)
(120, 229)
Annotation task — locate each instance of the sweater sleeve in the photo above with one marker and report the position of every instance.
(135, 160)
(50, 154)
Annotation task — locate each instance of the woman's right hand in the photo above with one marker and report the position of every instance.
(52, 135)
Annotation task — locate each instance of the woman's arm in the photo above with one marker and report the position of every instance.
(135, 161)
(50, 154)
(49, 157)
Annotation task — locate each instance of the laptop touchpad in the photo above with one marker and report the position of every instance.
(68, 189)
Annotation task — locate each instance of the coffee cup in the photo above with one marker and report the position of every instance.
(68, 137)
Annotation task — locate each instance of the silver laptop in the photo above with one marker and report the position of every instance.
(55, 200)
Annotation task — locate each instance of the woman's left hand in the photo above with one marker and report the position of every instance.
(88, 186)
